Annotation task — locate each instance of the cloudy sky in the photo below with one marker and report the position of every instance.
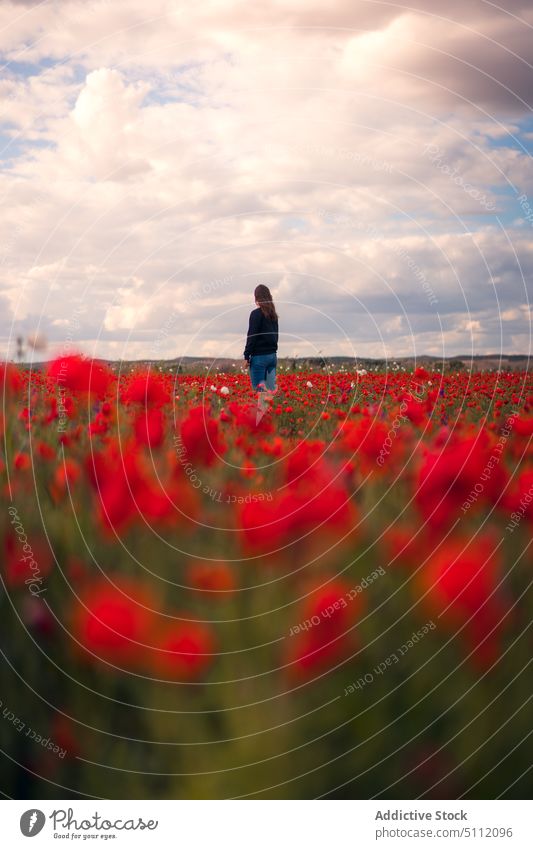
(369, 160)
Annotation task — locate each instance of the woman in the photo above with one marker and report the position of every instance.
(262, 341)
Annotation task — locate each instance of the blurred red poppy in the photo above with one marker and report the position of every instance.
(80, 374)
(216, 579)
(10, 380)
(146, 388)
(464, 470)
(201, 437)
(323, 634)
(184, 651)
(113, 620)
(149, 428)
(460, 585)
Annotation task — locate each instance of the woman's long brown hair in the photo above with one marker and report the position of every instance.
(264, 299)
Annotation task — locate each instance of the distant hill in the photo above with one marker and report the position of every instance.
(483, 362)
(479, 362)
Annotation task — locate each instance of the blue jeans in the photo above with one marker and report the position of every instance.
(263, 370)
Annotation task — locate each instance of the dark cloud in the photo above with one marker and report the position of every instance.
(484, 72)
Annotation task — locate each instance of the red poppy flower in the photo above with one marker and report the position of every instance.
(113, 620)
(464, 471)
(323, 634)
(305, 462)
(367, 439)
(10, 380)
(523, 426)
(22, 461)
(216, 579)
(146, 388)
(184, 651)
(415, 412)
(149, 428)
(65, 478)
(333, 605)
(117, 479)
(297, 514)
(520, 498)
(127, 489)
(201, 437)
(45, 451)
(80, 374)
(245, 416)
(460, 583)
(405, 546)
(265, 524)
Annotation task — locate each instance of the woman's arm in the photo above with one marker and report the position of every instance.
(253, 329)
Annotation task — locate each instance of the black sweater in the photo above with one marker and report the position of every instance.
(262, 335)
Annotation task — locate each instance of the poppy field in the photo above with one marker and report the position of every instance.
(202, 598)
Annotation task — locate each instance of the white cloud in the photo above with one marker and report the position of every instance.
(106, 121)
